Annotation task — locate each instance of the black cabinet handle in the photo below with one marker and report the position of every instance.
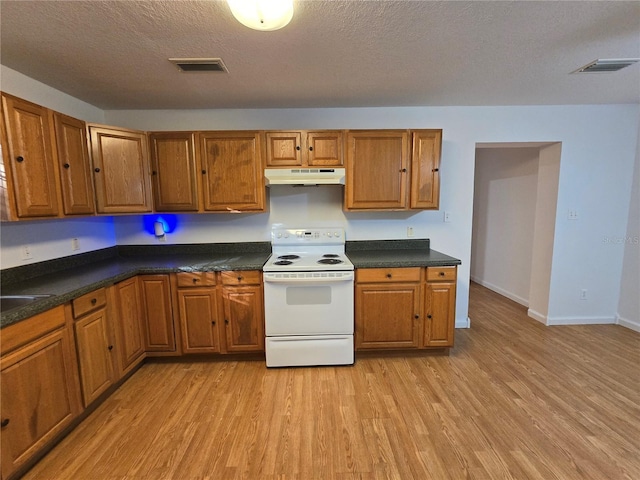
(311, 149)
(66, 165)
(4, 423)
(93, 301)
(195, 280)
(416, 316)
(388, 275)
(204, 172)
(97, 170)
(442, 274)
(428, 316)
(297, 147)
(20, 159)
(226, 321)
(239, 279)
(403, 170)
(213, 322)
(436, 170)
(110, 347)
(154, 173)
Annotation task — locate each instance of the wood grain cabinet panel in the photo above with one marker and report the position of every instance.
(128, 323)
(74, 165)
(95, 354)
(199, 320)
(305, 148)
(121, 170)
(174, 171)
(157, 312)
(40, 397)
(243, 318)
(387, 316)
(440, 305)
(29, 158)
(232, 171)
(377, 170)
(425, 169)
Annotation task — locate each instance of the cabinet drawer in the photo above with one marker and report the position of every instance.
(373, 275)
(435, 274)
(196, 279)
(241, 277)
(26, 331)
(89, 302)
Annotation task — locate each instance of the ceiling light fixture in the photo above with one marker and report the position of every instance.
(265, 15)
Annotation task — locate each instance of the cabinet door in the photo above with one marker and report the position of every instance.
(74, 165)
(387, 316)
(30, 158)
(39, 397)
(376, 170)
(324, 149)
(198, 320)
(440, 305)
(121, 170)
(94, 355)
(174, 175)
(425, 169)
(157, 313)
(284, 149)
(128, 324)
(243, 318)
(233, 175)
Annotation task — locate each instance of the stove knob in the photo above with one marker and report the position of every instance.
(286, 235)
(337, 234)
(279, 235)
(329, 234)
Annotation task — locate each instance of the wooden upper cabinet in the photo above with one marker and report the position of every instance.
(121, 170)
(29, 158)
(74, 165)
(425, 169)
(305, 148)
(232, 171)
(174, 171)
(377, 170)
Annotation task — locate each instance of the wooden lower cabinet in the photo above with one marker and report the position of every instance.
(127, 319)
(157, 312)
(243, 318)
(40, 394)
(95, 354)
(387, 314)
(405, 308)
(198, 308)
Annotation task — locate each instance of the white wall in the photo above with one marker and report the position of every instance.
(629, 305)
(506, 182)
(593, 139)
(49, 239)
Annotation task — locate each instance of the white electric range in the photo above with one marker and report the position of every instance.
(308, 296)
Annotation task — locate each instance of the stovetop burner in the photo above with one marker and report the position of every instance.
(288, 257)
(283, 262)
(330, 255)
(330, 261)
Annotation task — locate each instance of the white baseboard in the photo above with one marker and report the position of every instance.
(625, 322)
(537, 316)
(501, 291)
(463, 322)
(581, 320)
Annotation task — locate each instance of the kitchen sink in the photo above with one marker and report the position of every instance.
(9, 302)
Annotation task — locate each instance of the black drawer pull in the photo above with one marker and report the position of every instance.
(97, 170)
(429, 316)
(297, 147)
(213, 322)
(416, 316)
(20, 159)
(239, 279)
(93, 301)
(4, 423)
(226, 321)
(66, 165)
(442, 274)
(110, 347)
(311, 149)
(388, 275)
(195, 280)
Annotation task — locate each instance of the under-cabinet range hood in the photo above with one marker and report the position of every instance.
(304, 176)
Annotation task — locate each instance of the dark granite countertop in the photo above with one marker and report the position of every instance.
(396, 253)
(70, 277)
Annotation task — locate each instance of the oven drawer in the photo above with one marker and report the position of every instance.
(309, 350)
(385, 275)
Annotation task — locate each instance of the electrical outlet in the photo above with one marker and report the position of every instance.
(447, 217)
(75, 244)
(409, 231)
(25, 252)
(583, 294)
(572, 214)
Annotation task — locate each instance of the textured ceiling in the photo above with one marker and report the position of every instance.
(113, 54)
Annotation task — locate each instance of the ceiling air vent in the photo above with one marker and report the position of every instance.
(607, 65)
(199, 64)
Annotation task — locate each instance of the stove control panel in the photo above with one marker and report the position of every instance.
(315, 236)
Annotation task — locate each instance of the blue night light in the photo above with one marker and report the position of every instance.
(169, 223)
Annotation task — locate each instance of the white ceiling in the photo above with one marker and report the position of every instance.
(113, 54)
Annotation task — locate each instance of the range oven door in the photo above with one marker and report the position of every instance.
(308, 303)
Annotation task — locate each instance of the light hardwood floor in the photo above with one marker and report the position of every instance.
(514, 399)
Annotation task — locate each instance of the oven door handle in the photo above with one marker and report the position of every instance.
(278, 278)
